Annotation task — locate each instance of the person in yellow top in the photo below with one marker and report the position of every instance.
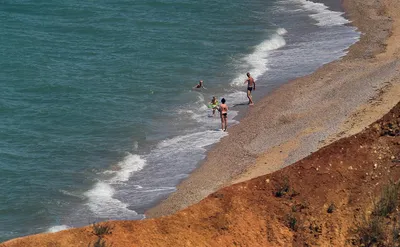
(214, 105)
(223, 110)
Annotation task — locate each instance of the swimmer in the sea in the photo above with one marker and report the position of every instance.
(200, 85)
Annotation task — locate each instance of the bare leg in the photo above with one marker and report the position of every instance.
(226, 122)
(249, 97)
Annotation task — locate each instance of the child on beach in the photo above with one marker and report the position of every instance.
(214, 105)
(223, 110)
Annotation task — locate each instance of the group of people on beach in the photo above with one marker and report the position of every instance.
(223, 108)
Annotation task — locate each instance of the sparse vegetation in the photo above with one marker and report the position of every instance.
(292, 222)
(331, 208)
(101, 229)
(388, 201)
(294, 193)
(382, 228)
(282, 188)
(51, 244)
(396, 234)
(315, 228)
(371, 231)
(302, 205)
(99, 243)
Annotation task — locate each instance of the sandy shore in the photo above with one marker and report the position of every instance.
(339, 99)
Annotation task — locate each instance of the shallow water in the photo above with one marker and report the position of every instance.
(99, 119)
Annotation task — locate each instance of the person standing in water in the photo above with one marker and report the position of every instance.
(214, 105)
(251, 85)
(223, 110)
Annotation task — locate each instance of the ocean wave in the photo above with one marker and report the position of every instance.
(101, 201)
(72, 194)
(323, 15)
(131, 163)
(257, 63)
(168, 189)
(102, 204)
(180, 143)
(199, 111)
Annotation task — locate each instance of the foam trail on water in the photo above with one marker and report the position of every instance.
(201, 113)
(237, 97)
(101, 201)
(257, 63)
(196, 140)
(131, 163)
(185, 149)
(170, 161)
(323, 15)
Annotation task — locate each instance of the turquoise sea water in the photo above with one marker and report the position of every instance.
(98, 118)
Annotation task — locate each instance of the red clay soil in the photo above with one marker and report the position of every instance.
(347, 175)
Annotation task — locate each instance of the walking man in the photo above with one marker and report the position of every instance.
(251, 85)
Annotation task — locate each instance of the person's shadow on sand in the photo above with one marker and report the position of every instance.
(240, 104)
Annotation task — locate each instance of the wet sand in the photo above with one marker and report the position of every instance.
(339, 99)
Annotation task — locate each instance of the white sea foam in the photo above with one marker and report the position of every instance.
(135, 145)
(281, 31)
(201, 113)
(58, 228)
(73, 194)
(200, 98)
(169, 189)
(131, 163)
(171, 160)
(183, 150)
(189, 141)
(285, 10)
(323, 15)
(237, 97)
(257, 63)
(101, 201)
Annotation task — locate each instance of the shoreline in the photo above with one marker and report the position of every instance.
(307, 113)
(349, 174)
